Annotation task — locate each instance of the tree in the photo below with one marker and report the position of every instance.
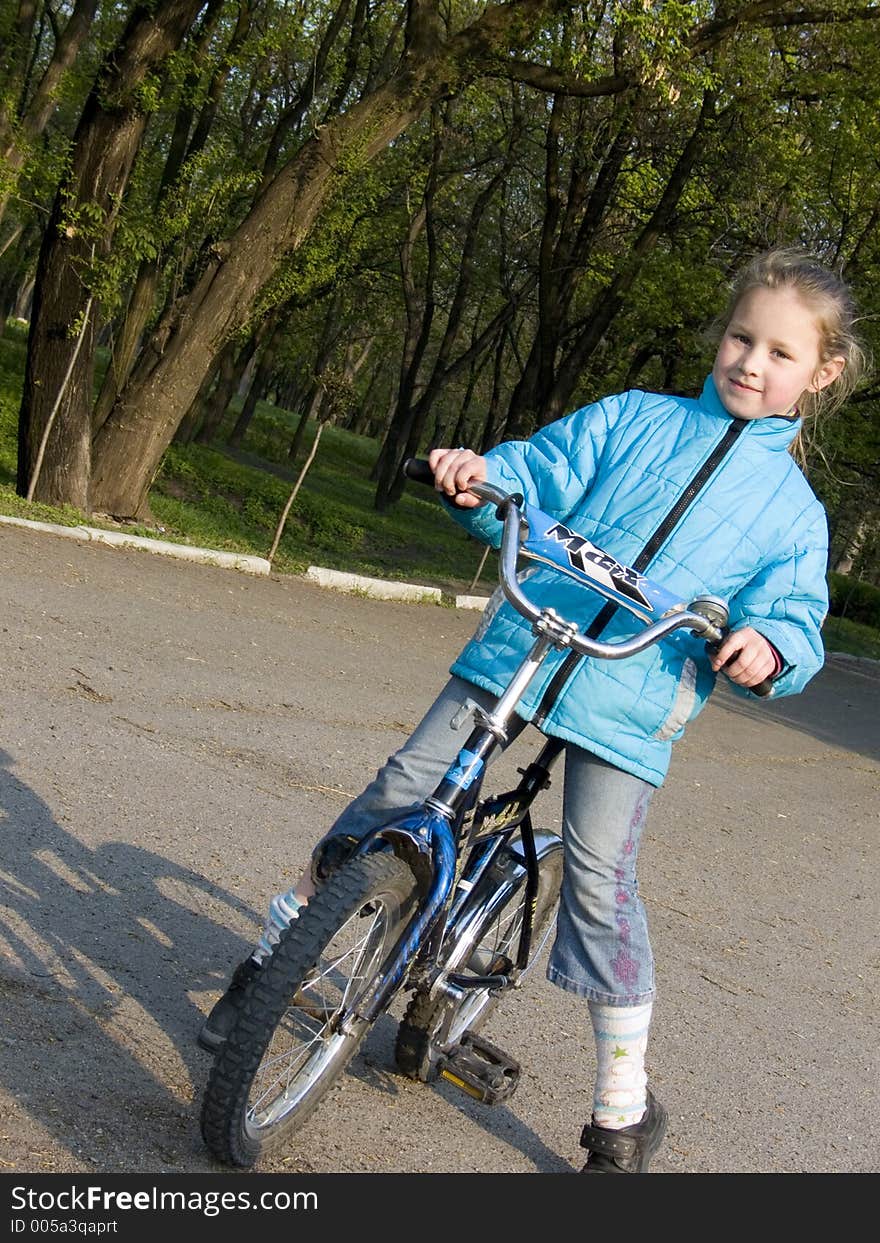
(412, 412)
(23, 122)
(630, 199)
(77, 238)
(130, 445)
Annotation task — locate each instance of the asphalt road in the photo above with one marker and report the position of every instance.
(174, 737)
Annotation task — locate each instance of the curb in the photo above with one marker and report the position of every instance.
(377, 588)
(471, 602)
(382, 589)
(119, 539)
(337, 580)
(867, 666)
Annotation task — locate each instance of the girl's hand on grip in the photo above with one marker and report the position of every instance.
(454, 471)
(746, 657)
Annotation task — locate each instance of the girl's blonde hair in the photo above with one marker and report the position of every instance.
(829, 297)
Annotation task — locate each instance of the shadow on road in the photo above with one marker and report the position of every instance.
(97, 954)
(97, 977)
(374, 1067)
(838, 707)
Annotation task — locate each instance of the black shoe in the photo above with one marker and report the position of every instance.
(221, 1020)
(629, 1150)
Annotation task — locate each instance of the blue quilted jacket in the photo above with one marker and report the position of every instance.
(755, 535)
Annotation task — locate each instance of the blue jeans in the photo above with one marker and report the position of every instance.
(602, 951)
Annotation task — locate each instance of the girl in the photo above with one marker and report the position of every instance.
(703, 495)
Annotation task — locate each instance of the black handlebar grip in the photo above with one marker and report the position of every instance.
(417, 469)
(763, 688)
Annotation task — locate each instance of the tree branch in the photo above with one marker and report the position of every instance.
(765, 14)
(555, 82)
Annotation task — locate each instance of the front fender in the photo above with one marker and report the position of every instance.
(423, 841)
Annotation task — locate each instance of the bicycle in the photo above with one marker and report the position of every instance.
(453, 902)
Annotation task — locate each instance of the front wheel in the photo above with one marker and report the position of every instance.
(486, 943)
(285, 1050)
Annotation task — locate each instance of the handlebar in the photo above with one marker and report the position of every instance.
(704, 616)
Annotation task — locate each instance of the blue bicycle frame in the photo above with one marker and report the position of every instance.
(429, 838)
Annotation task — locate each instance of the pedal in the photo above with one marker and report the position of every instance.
(481, 1069)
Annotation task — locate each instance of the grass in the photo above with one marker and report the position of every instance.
(210, 497)
(839, 634)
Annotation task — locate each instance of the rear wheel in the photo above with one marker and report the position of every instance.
(286, 1050)
(486, 945)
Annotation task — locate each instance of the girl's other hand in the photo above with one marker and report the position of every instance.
(746, 657)
(454, 470)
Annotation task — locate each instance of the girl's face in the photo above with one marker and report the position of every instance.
(770, 354)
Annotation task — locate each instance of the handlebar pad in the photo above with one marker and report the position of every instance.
(417, 469)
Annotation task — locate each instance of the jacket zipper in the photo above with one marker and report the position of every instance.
(643, 560)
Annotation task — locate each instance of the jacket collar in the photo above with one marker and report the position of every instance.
(775, 432)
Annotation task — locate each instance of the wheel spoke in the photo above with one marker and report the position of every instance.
(304, 1042)
(288, 1047)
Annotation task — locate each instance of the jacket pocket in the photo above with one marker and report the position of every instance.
(683, 705)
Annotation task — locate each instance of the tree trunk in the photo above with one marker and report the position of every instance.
(216, 401)
(457, 435)
(138, 311)
(130, 445)
(19, 35)
(12, 273)
(22, 306)
(852, 548)
(419, 318)
(260, 381)
(291, 393)
(609, 302)
(314, 397)
(442, 371)
(311, 411)
(361, 416)
(384, 428)
(567, 239)
(35, 117)
(52, 346)
(638, 361)
(491, 428)
(143, 297)
(47, 430)
(104, 148)
(192, 420)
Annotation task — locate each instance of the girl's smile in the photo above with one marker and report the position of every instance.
(770, 355)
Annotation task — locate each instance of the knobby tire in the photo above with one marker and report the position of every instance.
(283, 1035)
